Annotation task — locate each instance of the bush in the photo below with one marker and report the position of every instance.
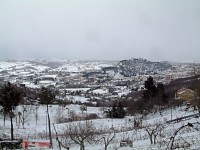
(91, 116)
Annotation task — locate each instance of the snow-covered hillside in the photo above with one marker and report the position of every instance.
(36, 129)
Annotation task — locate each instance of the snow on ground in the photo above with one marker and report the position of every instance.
(122, 90)
(100, 91)
(20, 65)
(49, 76)
(36, 129)
(47, 83)
(6, 65)
(82, 66)
(77, 99)
(77, 89)
(31, 85)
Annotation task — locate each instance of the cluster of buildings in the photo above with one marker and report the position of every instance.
(83, 80)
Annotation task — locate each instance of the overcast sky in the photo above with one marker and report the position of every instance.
(101, 29)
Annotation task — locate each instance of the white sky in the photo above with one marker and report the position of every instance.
(101, 29)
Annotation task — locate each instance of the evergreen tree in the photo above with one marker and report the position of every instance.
(153, 95)
(117, 112)
(160, 93)
(150, 87)
(10, 97)
(120, 111)
(114, 112)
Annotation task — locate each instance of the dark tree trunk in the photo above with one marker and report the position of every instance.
(151, 139)
(106, 146)
(49, 124)
(154, 140)
(4, 118)
(82, 147)
(11, 124)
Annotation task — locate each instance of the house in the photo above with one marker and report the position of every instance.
(185, 94)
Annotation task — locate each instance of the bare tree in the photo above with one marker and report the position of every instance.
(80, 133)
(154, 131)
(26, 114)
(107, 139)
(102, 109)
(83, 108)
(171, 145)
(60, 143)
(61, 115)
(72, 115)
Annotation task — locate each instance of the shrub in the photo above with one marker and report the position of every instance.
(91, 116)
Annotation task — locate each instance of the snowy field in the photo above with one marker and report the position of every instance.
(70, 66)
(35, 128)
